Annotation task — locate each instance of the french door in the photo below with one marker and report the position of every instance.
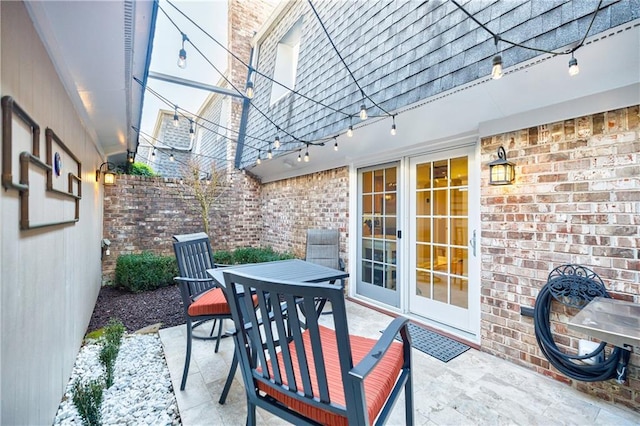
(377, 238)
(443, 239)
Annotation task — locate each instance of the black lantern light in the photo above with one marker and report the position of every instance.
(501, 171)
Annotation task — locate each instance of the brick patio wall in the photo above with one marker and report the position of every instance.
(576, 199)
(143, 214)
(291, 206)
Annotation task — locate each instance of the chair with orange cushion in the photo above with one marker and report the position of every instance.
(202, 300)
(323, 375)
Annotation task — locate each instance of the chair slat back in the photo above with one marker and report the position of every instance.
(323, 247)
(292, 334)
(194, 257)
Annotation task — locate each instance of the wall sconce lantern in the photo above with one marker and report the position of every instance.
(501, 171)
(109, 177)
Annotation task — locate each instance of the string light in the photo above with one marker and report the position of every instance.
(269, 153)
(172, 158)
(496, 70)
(249, 91)
(276, 143)
(299, 157)
(393, 126)
(153, 153)
(335, 145)
(259, 160)
(306, 155)
(192, 130)
(182, 55)
(363, 111)
(573, 66)
(175, 116)
(350, 131)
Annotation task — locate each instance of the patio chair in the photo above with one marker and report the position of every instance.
(202, 299)
(323, 248)
(322, 375)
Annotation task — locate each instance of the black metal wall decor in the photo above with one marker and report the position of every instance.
(53, 166)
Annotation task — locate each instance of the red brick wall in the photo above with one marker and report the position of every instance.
(576, 199)
(291, 206)
(143, 214)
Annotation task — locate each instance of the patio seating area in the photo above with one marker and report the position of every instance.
(473, 388)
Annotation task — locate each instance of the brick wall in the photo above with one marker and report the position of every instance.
(291, 206)
(143, 214)
(576, 199)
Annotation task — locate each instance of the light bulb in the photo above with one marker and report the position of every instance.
(306, 157)
(259, 160)
(393, 129)
(299, 158)
(153, 153)
(276, 143)
(350, 131)
(249, 91)
(573, 66)
(496, 71)
(175, 119)
(182, 59)
(363, 112)
(171, 158)
(269, 154)
(335, 146)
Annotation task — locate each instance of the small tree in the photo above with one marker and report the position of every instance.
(206, 185)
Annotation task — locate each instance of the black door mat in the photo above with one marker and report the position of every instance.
(434, 344)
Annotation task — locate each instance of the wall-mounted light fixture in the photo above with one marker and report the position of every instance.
(501, 171)
(109, 177)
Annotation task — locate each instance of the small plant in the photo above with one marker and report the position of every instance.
(108, 355)
(249, 255)
(87, 397)
(145, 271)
(114, 331)
(112, 337)
(141, 169)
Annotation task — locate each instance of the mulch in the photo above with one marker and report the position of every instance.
(138, 310)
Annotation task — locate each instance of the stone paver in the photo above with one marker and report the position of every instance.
(474, 388)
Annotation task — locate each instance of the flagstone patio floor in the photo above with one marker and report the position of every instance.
(474, 388)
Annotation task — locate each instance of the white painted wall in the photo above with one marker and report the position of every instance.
(50, 278)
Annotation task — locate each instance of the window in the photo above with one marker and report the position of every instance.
(286, 65)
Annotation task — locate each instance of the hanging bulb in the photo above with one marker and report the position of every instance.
(175, 117)
(299, 157)
(182, 55)
(306, 156)
(171, 158)
(249, 91)
(393, 126)
(350, 131)
(276, 143)
(573, 66)
(269, 154)
(335, 145)
(259, 160)
(363, 112)
(496, 71)
(153, 153)
(130, 159)
(192, 131)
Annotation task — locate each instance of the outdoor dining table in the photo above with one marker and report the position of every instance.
(286, 270)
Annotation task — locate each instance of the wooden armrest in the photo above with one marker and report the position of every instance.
(369, 362)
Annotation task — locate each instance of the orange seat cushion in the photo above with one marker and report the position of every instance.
(211, 302)
(377, 385)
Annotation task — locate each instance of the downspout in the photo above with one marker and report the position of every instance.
(246, 104)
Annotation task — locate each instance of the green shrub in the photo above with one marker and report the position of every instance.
(249, 255)
(87, 397)
(141, 169)
(108, 355)
(145, 271)
(114, 331)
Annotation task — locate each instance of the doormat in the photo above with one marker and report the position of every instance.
(434, 344)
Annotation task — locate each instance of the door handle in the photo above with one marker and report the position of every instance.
(472, 243)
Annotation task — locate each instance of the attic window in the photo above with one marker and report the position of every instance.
(286, 65)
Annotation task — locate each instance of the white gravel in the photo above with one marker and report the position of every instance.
(141, 393)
